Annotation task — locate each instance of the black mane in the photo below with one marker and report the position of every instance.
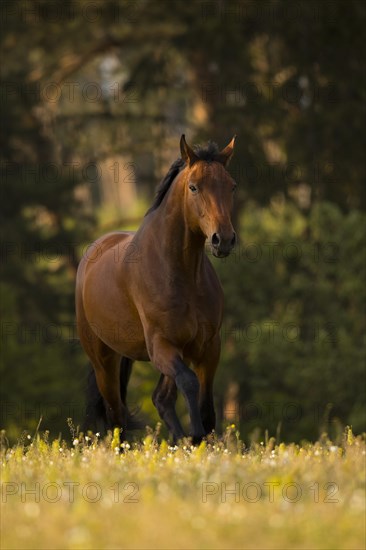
(165, 184)
(210, 153)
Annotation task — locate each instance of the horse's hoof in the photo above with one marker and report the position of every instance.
(197, 439)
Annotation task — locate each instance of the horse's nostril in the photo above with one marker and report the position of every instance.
(215, 239)
(233, 240)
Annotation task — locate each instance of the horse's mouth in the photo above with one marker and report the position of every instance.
(220, 253)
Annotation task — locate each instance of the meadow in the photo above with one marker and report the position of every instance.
(106, 493)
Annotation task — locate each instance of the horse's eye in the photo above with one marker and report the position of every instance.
(193, 188)
(234, 187)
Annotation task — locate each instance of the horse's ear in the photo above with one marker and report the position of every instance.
(187, 154)
(226, 154)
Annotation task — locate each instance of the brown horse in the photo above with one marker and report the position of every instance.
(153, 295)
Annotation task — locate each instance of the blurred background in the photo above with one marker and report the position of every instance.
(95, 95)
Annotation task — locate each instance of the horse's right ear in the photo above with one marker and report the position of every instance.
(226, 154)
(187, 153)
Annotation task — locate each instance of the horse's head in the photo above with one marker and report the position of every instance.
(209, 196)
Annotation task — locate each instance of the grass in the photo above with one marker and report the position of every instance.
(107, 494)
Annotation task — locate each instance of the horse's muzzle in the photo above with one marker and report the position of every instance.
(222, 246)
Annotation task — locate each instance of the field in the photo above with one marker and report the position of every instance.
(107, 494)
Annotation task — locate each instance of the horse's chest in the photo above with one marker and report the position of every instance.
(187, 317)
(192, 324)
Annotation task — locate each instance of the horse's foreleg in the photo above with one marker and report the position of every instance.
(164, 399)
(206, 370)
(168, 360)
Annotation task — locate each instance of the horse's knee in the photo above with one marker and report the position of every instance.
(156, 399)
(162, 401)
(187, 382)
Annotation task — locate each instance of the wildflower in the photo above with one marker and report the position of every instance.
(116, 440)
(350, 437)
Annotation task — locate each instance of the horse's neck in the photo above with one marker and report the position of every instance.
(181, 250)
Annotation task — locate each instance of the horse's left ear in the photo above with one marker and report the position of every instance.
(187, 154)
(226, 154)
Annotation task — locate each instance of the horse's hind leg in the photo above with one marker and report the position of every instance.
(95, 413)
(107, 372)
(106, 363)
(164, 399)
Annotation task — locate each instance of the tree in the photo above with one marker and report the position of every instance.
(88, 84)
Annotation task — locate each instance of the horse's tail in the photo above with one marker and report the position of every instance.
(96, 415)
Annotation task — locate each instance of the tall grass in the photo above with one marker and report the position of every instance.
(148, 494)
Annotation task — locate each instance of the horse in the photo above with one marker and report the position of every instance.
(153, 295)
